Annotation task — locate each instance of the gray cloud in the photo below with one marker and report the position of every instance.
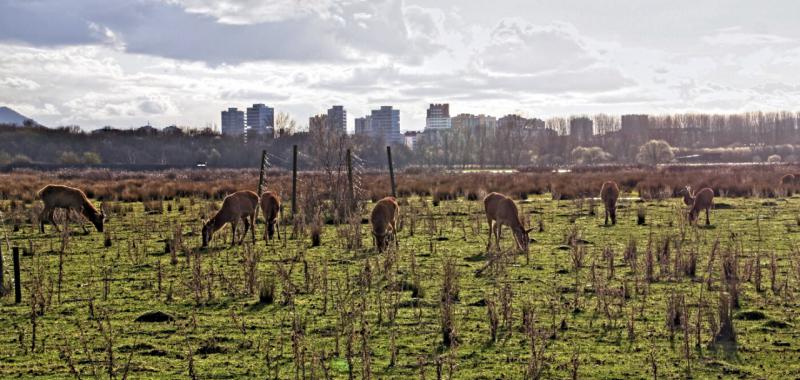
(169, 30)
(97, 62)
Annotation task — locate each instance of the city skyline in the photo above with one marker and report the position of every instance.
(117, 65)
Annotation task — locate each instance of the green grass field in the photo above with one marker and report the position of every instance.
(613, 324)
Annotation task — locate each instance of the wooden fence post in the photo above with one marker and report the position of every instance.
(391, 170)
(294, 181)
(17, 283)
(2, 275)
(262, 175)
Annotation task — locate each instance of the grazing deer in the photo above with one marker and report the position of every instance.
(788, 183)
(239, 205)
(502, 211)
(609, 194)
(688, 197)
(701, 200)
(270, 207)
(383, 220)
(69, 199)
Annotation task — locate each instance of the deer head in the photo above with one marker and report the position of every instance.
(97, 220)
(381, 240)
(523, 239)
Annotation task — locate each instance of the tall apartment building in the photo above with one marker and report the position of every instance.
(261, 120)
(337, 119)
(581, 129)
(232, 122)
(438, 117)
(385, 123)
(635, 128)
(362, 125)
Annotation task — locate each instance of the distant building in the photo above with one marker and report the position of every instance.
(318, 123)
(232, 122)
(581, 129)
(362, 125)
(472, 122)
(172, 130)
(410, 139)
(635, 128)
(337, 119)
(385, 123)
(261, 120)
(438, 117)
(512, 121)
(147, 130)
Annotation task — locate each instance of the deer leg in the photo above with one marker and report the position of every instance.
(614, 215)
(234, 223)
(498, 232)
(253, 227)
(52, 219)
(491, 232)
(708, 221)
(246, 228)
(606, 215)
(43, 218)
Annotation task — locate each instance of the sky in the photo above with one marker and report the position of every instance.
(126, 63)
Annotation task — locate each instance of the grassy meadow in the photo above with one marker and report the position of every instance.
(589, 301)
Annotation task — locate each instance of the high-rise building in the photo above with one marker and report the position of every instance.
(232, 122)
(362, 125)
(385, 124)
(581, 129)
(337, 119)
(261, 120)
(635, 128)
(438, 117)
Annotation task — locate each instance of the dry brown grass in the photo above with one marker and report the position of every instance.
(217, 183)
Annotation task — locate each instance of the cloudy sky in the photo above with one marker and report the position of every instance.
(128, 62)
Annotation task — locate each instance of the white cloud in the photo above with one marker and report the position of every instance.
(519, 47)
(244, 12)
(17, 83)
(736, 36)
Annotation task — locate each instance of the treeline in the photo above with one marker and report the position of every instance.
(184, 148)
(515, 141)
(746, 137)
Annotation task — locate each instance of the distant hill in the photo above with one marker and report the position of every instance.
(9, 116)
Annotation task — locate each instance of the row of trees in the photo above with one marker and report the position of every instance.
(515, 141)
(147, 146)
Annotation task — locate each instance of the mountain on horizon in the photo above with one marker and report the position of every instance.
(9, 116)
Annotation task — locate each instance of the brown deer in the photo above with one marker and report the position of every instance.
(270, 207)
(788, 183)
(239, 205)
(384, 220)
(701, 200)
(609, 193)
(69, 199)
(502, 211)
